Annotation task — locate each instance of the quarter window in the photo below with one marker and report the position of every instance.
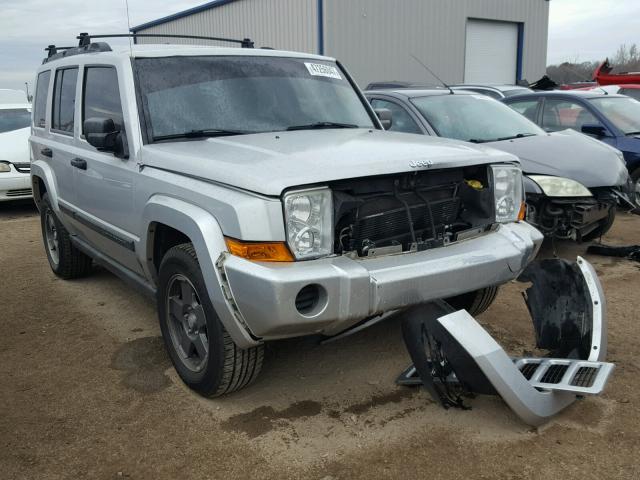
(401, 121)
(40, 104)
(64, 99)
(102, 95)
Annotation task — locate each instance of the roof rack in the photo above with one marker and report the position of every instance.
(86, 46)
(85, 38)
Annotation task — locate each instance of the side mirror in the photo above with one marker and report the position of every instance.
(103, 134)
(594, 129)
(384, 114)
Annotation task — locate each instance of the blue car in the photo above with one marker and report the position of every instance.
(614, 119)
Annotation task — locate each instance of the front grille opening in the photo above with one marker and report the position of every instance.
(19, 192)
(528, 369)
(307, 299)
(554, 374)
(584, 377)
(411, 211)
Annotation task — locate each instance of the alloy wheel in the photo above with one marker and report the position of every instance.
(186, 322)
(51, 235)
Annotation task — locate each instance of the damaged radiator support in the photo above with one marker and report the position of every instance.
(454, 357)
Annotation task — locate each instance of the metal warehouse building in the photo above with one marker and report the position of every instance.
(472, 41)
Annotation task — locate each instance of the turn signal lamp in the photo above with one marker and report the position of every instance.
(259, 251)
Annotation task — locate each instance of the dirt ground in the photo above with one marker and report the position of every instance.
(87, 391)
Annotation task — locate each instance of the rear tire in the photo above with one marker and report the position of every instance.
(475, 302)
(65, 259)
(204, 355)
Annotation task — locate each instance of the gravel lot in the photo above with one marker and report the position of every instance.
(88, 392)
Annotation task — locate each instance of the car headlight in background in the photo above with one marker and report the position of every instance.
(560, 186)
(507, 191)
(5, 167)
(309, 222)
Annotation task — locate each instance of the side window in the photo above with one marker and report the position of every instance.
(401, 121)
(64, 99)
(40, 103)
(528, 108)
(561, 114)
(101, 96)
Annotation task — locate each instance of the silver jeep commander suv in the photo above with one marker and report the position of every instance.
(255, 194)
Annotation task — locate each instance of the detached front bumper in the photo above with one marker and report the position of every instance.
(277, 300)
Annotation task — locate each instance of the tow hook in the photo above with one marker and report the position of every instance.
(455, 358)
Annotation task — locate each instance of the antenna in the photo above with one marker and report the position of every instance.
(126, 4)
(429, 70)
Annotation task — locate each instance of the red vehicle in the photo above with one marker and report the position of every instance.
(603, 75)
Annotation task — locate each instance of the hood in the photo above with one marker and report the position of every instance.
(268, 163)
(14, 145)
(568, 154)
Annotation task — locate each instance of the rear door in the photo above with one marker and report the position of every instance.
(59, 151)
(104, 182)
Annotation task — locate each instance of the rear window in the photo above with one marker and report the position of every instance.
(14, 119)
(64, 100)
(40, 105)
(631, 92)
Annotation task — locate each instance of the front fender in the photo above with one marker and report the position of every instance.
(208, 240)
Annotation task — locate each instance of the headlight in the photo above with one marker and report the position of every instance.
(309, 221)
(5, 167)
(560, 186)
(507, 191)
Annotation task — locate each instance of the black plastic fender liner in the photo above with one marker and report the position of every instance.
(454, 373)
(560, 306)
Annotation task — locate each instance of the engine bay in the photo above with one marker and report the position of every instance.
(411, 211)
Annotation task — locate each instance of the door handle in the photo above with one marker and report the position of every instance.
(79, 163)
(47, 152)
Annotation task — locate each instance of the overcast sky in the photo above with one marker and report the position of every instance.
(578, 29)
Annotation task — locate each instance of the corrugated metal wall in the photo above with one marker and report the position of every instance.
(374, 38)
(280, 24)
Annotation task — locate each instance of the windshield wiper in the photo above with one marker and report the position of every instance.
(211, 132)
(318, 125)
(519, 135)
(631, 134)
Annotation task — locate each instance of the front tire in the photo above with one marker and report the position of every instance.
(202, 352)
(65, 259)
(475, 302)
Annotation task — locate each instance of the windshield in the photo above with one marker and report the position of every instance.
(623, 112)
(210, 95)
(474, 118)
(14, 118)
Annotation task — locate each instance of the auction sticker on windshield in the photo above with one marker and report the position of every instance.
(320, 70)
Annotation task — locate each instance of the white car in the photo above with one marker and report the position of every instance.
(15, 128)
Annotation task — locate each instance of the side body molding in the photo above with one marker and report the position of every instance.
(208, 240)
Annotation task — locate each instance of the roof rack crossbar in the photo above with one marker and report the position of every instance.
(85, 38)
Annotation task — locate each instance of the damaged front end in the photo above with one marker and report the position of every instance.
(571, 218)
(454, 357)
